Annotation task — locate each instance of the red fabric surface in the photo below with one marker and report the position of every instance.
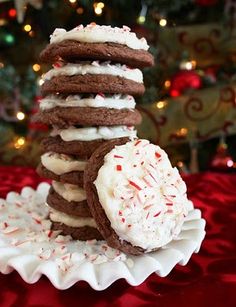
(209, 279)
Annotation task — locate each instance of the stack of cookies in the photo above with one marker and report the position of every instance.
(88, 100)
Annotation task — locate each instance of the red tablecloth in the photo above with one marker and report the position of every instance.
(209, 279)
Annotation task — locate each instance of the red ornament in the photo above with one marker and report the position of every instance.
(12, 13)
(222, 160)
(183, 80)
(206, 2)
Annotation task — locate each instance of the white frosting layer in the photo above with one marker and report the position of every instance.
(69, 192)
(117, 101)
(61, 163)
(96, 68)
(95, 133)
(143, 197)
(69, 220)
(100, 34)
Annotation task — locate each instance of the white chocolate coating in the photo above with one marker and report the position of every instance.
(69, 192)
(60, 163)
(117, 101)
(71, 221)
(95, 133)
(100, 34)
(96, 68)
(144, 197)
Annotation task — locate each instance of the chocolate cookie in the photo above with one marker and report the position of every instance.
(82, 149)
(90, 174)
(81, 233)
(92, 84)
(72, 177)
(72, 51)
(63, 117)
(57, 202)
(136, 197)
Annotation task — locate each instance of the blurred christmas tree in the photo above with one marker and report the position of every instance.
(190, 102)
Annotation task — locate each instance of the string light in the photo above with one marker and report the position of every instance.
(188, 65)
(72, 1)
(80, 10)
(230, 163)
(20, 115)
(194, 64)
(19, 142)
(9, 38)
(12, 13)
(40, 82)
(36, 67)
(98, 7)
(182, 132)
(31, 34)
(161, 104)
(167, 83)
(27, 28)
(1, 65)
(180, 164)
(3, 22)
(141, 19)
(162, 22)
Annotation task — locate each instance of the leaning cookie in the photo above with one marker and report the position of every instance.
(137, 199)
(96, 42)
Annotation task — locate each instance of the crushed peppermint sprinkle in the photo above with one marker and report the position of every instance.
(134, 185)
(36, 220)
(10, 230)
(57, 65)
(147, 207)
(101, 94)
(118, 157)
(118, 167)
(137, 142)
(158, 156)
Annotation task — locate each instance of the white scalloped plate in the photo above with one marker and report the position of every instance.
(28, 246)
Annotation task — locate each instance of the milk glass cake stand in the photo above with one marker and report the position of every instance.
(28, 246)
